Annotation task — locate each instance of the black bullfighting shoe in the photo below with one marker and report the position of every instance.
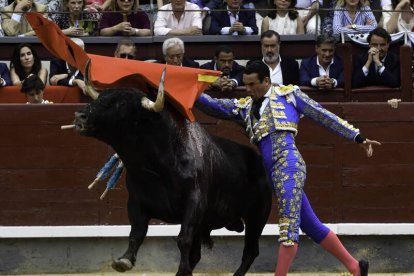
(363, 266)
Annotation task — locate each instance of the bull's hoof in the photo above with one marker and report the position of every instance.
(122, 265)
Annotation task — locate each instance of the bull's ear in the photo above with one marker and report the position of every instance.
(158, 105)
(89, 89)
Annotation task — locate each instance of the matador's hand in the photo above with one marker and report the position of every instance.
(367, 146)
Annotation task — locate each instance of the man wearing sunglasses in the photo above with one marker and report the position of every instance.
(126, 49)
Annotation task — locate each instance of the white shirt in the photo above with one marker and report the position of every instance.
(265, 101)
(43, 102)
(276, 75)
(166, 21)
(323, 72)
(385, 3)
(404, 26)
(283, 25)
(306, 3)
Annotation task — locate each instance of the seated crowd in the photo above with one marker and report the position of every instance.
(198, 17)
(324, 70)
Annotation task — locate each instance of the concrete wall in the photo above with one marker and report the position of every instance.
(82, 255)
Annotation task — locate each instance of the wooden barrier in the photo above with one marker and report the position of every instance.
(248, 47)
(55, 94)
(44, 172)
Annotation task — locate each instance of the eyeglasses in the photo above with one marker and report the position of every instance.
(127, 56)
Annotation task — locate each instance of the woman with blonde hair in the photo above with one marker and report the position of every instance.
(352, 16)
(284, 19)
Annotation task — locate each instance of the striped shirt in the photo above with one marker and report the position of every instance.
(342, 19)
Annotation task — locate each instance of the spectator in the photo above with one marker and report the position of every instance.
(76, 22)
(61, 73)
(126, 49)
(148, 5)
(208, 5)
(33, 87)
(234, 20)
(1, 29)
(5, 79)
(26, 61)
(402, 19)
(178, 18)
(173, 51)
(386, 12)
(13, 22)
(378, 66)
(124, 21)
(352, 16)
(324, 70)
(54, 7)
(232, 71)
(308, 12)
(376, 8)
(327, 18)
(283, 19)
(98, 5)
(283, 71)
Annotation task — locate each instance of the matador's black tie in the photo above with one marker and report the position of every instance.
(256, 107)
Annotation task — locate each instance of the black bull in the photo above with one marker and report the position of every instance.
(178, 173)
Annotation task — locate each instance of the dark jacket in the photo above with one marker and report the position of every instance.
(5, 74)
(58, 66)
(236, 71)
(390, 76)
(220, 19)
(290, 70)
(309, 69)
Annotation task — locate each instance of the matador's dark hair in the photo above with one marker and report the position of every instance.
(258, 67)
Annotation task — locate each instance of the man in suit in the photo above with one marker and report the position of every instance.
(61, 73)
(173, 51)
(378, 66)
(283, 70)
(323, 70)
(234, 20)
(232, 71)
(5, 79)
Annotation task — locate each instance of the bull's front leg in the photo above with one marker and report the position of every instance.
(190, 229)
(139, 227)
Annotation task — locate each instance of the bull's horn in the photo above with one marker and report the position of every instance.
(89, 89)
(159, 102)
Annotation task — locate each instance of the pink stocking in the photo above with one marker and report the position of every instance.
(333, 245)
(285, 258)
